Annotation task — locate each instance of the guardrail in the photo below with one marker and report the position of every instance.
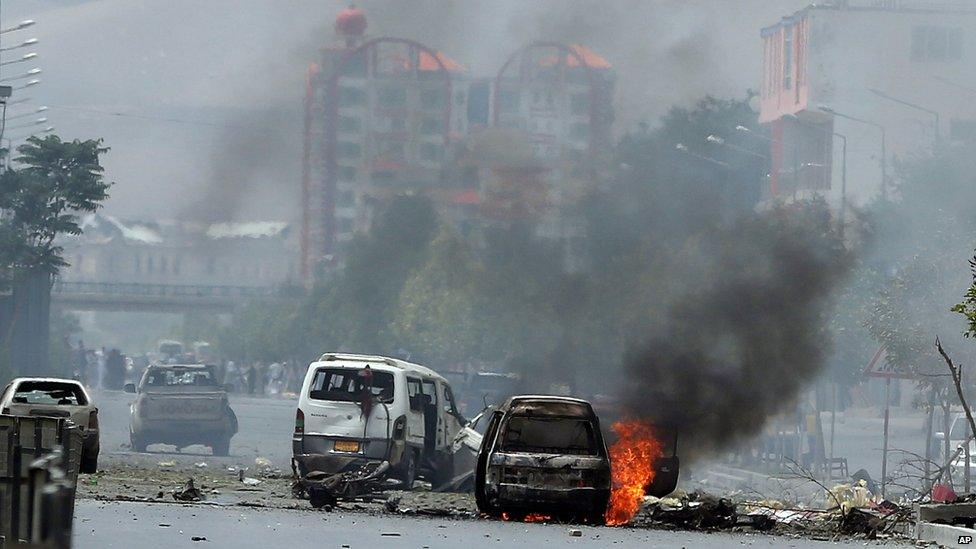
(159, 290)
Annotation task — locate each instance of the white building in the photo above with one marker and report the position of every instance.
(906, 66)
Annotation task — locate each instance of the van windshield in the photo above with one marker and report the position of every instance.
(349, 385)
(550, 435)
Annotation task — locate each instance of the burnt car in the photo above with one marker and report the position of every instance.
(543, 455)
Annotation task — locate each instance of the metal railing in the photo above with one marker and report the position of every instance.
(159, 290)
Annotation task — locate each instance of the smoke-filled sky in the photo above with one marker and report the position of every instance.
(200, 101)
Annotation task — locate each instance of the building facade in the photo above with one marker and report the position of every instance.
(892, 79)
(387, 116)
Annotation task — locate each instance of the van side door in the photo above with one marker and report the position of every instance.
(453, 422)
(415, 412)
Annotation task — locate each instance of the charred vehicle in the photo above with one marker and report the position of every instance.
(181, 404)
(53, 397)
(357, 409)
(543, 454)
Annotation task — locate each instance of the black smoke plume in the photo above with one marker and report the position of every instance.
(745, 334)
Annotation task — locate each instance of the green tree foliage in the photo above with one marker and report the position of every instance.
(439, 314)
(42, 198)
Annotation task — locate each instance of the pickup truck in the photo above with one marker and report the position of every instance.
(182, 405)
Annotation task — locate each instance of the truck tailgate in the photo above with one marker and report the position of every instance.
(188, 407)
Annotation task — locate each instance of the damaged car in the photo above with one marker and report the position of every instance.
(54, 397)
(543, 455)
(357, 409)
(182, 405)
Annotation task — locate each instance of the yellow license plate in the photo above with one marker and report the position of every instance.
(346, 446)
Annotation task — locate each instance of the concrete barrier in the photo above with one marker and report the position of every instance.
(945, 535)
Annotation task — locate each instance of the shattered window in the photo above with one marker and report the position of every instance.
(547, 435)
(46, 392)
(181, 376)
(348, 385)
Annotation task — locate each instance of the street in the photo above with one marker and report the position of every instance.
(101, 525)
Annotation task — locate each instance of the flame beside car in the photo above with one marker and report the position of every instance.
(632, 459)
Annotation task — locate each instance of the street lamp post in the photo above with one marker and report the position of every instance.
(935, 114)
(24, 44)
(721, 141)
(684, 148)
(884, 158)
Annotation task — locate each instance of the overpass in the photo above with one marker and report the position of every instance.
(161, 298)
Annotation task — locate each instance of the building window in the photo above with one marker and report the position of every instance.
(149, 265)
(347, 173)
(787, 58)
(346, 199)
(392, 97)
(384, 177)
(432, 99)
(932, 43)
(431, 125)
(137, 264)
(162, 265)
(431, 152)
(392, 149)
(579, 103)
(344, 225)
(348, 149)
(351, 97)
(176, 265)
(508, 101)
(349, 124)
(580, 131)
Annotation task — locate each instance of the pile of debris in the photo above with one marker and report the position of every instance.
(850, 510)
(324, 491)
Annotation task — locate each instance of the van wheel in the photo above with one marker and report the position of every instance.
(138, 443)
(221, 447)
(408, 469)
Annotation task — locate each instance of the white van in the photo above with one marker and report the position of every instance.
(355, 409)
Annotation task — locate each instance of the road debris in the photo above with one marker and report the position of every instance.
(189, 492)
(575, 533)
(324, 490)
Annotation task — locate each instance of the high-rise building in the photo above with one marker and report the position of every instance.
(381, 115)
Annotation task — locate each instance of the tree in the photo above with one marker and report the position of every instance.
(41, 201)
(438, 317)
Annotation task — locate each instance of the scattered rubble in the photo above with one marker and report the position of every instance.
(325, 490)
(189, 492)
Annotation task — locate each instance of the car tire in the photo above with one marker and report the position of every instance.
(221, 447)
(89, 462)
(137, 443)
(408, 469)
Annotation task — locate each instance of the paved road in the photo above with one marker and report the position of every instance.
(101, 525)
(265, 428)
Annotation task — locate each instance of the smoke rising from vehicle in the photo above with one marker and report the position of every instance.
(742, 337)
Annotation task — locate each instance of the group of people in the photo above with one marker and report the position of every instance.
(97, 368)
(264, 379)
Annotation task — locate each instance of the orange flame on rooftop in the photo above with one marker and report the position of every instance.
(632, 460)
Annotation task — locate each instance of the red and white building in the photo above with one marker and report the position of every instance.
(852, 68)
